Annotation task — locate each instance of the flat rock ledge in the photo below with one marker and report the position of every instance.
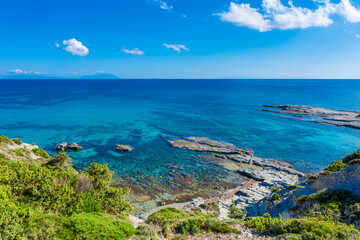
(123, 148)
(339, 118)
(268, 173)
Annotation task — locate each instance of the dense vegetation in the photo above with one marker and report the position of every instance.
(51, 201)
(301, 228)
(43, 197)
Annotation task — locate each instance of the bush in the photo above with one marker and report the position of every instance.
(40, 153)
(96, 226)
(4, 139)
(17, 141)
(353, 162)
(212, 207)
(172, 220)
(275, 189)
(83, 184)
(21, 152)
(274, 197)
(292, 187)
(59, 162)
(306, 228)
(236, 213)
(351, 156)
(335, 166)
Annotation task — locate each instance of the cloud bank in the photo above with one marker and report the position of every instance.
(135, 51)
(274, 15)
(75, 47)
(176, 47)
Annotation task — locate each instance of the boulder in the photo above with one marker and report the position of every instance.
(74, 147)
(123, 148)
(61, 146)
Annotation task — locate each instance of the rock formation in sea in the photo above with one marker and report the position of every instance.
(262, 174)
(61, 146)
(123, 148)
(339, 118)
(74, 147)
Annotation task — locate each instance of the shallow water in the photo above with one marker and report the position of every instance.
(98, 114)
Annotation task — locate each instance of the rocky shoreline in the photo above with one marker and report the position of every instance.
(262, 174)
(326, 116)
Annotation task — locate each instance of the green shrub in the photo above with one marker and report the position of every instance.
(307, 228)
(353, 162)
(91, 205)
(96, 226)
(59, 162)
(40, 153)
(275, 189)
(176, 221)
(212, 207)
(4, 139)
(236, 213)
(17, 141)
(292, 187)
(21, 152)
(335, 166)
(351, 156)
(274, 197)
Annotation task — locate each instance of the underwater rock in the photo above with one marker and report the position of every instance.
(74, 147)
(123, 148)
(61, 146)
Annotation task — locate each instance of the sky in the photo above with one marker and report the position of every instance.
(181, 38)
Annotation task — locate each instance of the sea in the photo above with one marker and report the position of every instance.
(98, 114)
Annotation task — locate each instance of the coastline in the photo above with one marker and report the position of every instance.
(261, 174)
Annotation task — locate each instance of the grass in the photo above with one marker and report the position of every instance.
(40, 153)
(172, 220)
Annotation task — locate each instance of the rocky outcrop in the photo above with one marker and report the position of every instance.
(203, 144)
(262, 173)
(348, 179)
(123, 148)
(74, 147)
(61, 146)
(322, 115)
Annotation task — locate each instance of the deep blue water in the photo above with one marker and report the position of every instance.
(98, 114)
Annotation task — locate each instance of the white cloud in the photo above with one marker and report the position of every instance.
(274, 15)
(242, 15)
(100, 71)
(176, 47)
(75, 47)
(164, 5)
(357, 35)
(350, 13)
(74, 72)
(16, 71)
(21, 72)
(135, 51)
(57, 45)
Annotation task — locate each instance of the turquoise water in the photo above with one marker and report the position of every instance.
(98, 114)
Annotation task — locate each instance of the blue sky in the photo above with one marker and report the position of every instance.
(181, 38)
